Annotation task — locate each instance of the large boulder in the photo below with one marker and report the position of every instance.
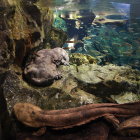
(7, 130)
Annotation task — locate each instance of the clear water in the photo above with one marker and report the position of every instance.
(106, 29)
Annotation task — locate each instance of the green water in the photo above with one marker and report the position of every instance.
(106, 29)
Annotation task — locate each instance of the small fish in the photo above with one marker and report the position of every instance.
(107, 47)
(134, 23)
(137, 41)
(95, 52)
(137, 62)
(97, 42)
(69, 41)
(116, 45)
(88, 41)
(106, 51)
(93, 35)
(69, 48)
(136, 33)
(131, 30)
(101, 56)
(122, 31)
(125, 37)
(94, 23)
(127, 44)
(128, 53)
(87, 37)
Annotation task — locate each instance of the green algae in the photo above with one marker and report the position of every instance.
(79, 59)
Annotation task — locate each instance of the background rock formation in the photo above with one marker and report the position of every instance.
(23, 26)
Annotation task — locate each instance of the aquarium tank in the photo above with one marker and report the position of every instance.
(69, 69)
(108, 30)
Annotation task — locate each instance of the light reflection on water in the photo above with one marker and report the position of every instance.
(106, 29)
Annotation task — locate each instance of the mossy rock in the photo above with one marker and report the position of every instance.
(79, 59)
(103, 81)
(57, 37)
(126, 97)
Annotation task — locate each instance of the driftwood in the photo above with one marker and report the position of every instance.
(33, 116)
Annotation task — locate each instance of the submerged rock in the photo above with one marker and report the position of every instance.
(104, 81)
(7, 130)
(79, 59)
(16, 90)
(57, 37)
(84, 84)
(126, 97)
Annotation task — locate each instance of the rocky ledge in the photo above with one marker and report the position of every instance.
(81, 84)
